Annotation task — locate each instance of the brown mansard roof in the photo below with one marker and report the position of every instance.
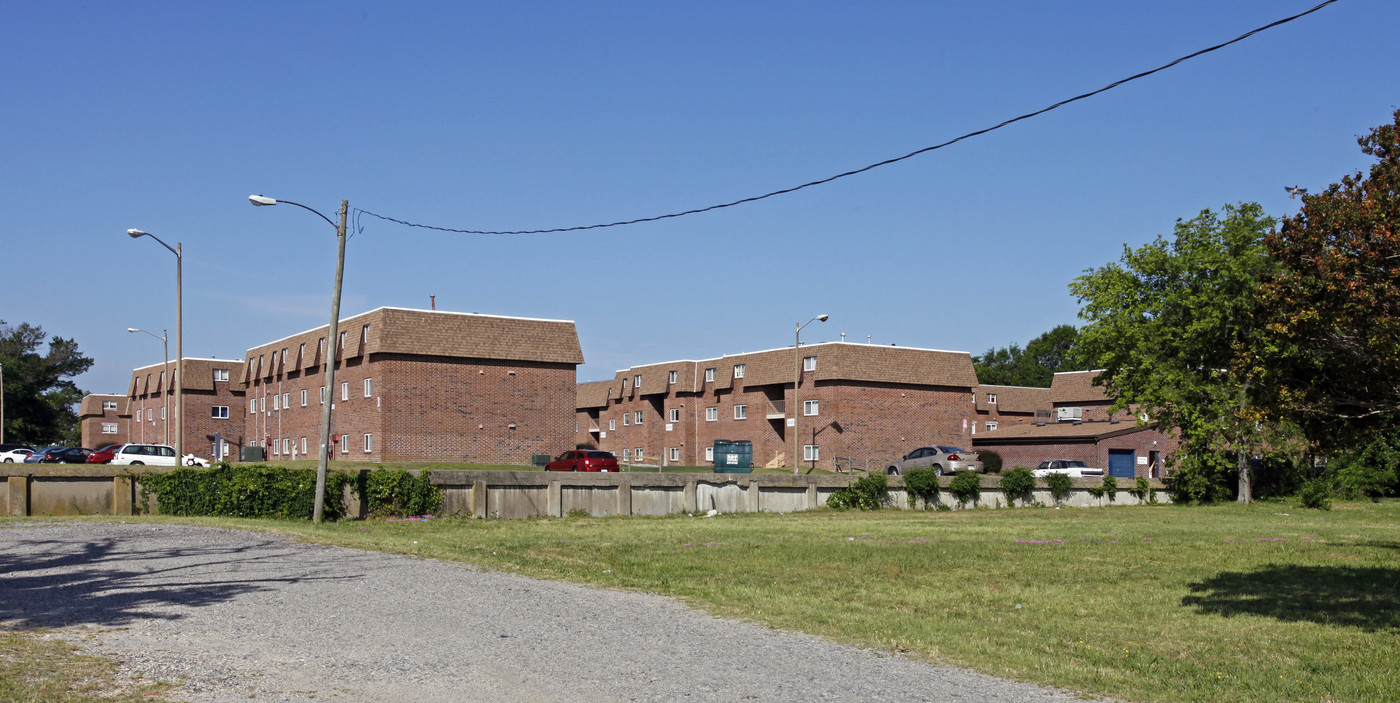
(92, 404)
(1076, 387)
(427, 332)
(199, 375)
(836, 361)
(1014, 399)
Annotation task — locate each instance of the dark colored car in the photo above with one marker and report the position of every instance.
(583, 460)
(65, 455)
(103, 455)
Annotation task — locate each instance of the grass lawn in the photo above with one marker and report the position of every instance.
(1150, 603)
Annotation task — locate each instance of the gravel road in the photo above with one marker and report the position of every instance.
(238, 616)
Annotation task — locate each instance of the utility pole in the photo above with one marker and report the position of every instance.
(332, 349)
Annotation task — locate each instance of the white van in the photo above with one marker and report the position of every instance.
(148, 454)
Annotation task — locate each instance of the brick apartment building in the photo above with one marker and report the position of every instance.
(1071, 420)
(104, 419)
(211, 396)
(858, 401)
(415, 385)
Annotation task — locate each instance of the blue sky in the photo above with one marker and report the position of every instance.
(507, 116)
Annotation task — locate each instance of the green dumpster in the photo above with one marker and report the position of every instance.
(733, 457)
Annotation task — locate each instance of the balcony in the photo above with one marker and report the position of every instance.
(775, 409)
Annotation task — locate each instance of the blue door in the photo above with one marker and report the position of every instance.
(1121, 463)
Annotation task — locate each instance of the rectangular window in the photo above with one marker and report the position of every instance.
(810, 407)
(711, 414)
(109, 405)
(151, 414)
(809, 363)
(627, 455)
(991, 426)
(741, 412)
(323, 395)
(369, 387)
(810, 452)
(219, 412)
(220, 375)
(286, 446)
(709, 375)
(991, 399)
(675, 453)
(262, 404)
(369, 438)
(303, 445)
(162, 413)
(304, 394)
(637, 418)
(345, 443)
(253, 408)
(709, 453)
(321, 346)
(626, 419)
(674, 415)
(286, 401)
(364, 337)
(738, 371)
(671, 378)
(637, 454)
(342, 339)
(109, 428)
(301, 353)
(284, 356)
(345, 390)
(612, 424)
(275, 406)
(636, 381)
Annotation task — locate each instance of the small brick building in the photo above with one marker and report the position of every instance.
(860, 402)
(417, 385)
(1075, 423)
(104, 420)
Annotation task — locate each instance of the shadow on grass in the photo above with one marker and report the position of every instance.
(1364, 598)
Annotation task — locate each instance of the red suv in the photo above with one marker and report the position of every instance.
(583, 460)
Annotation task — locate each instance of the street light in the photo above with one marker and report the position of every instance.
(332, 341)
(796, 384)
(165, 378)
(179, 343)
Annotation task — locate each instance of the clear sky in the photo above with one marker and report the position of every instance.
(165, 116)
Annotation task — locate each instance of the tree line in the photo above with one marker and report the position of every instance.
(1272, 346)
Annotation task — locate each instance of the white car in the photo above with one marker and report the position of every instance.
(17, 454)
(1070, 467)
(152, 455)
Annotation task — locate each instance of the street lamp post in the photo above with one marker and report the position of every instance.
(179, 343)
(165, 378)
(332, 343)
(796, 384)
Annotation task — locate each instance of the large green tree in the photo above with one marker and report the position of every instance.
(1036, 364)
(1165, 323)
(39, 395)
(1328, 356)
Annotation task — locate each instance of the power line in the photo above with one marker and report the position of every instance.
(876, 165)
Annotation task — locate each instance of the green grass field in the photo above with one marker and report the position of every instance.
(1151, 603)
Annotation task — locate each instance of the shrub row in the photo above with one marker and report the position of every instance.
(262, 491)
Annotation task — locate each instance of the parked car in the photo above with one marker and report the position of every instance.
(38, 454)
(10, 453)
(583, 460)
(942, 459)
(142, 454)
(103, 454)
(1070, 467)
(192, 460)
(65, 455)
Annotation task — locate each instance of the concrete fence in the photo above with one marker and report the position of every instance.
(30, 489)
